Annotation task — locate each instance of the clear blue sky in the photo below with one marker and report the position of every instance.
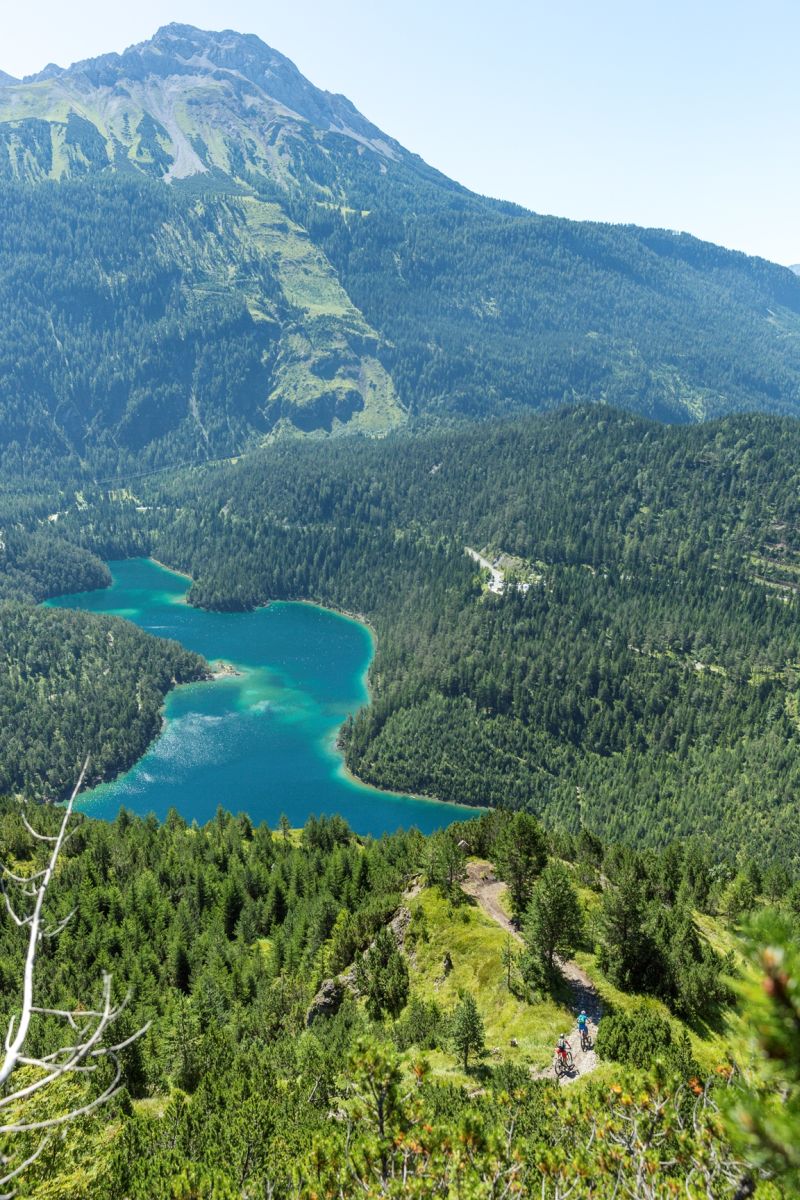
(680, 114)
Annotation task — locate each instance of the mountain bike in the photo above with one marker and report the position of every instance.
(586, 1039)
(562, 1064)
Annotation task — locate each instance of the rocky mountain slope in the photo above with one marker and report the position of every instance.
(184, 104)
(200, 249)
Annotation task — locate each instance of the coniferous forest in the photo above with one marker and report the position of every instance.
(150, 326)
(296, 1049)
(586, 630)
(638, 676)
(633, 689)
(74, 684)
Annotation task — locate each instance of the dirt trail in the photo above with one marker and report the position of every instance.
(484, 887)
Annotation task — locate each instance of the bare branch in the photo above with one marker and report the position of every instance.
(55, 930)
(15, 1048)
(68, 1014)
(77, 1054)
(20, 921)
(134, 1037)
(40, 837)
(44, 1064)
(87, 1051)
(73, 1114)
(23, 879)
(23, 1167)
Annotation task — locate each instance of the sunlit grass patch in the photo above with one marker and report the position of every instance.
(475, 945)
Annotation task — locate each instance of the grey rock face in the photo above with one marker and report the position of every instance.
(327, 1001)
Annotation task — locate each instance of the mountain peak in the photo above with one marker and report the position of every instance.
(186, 102)
(51, 71)
(307, 274)
(180, 29)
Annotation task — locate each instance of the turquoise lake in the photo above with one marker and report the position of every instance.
(261, 742)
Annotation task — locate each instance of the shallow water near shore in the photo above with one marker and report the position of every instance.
(262, 741)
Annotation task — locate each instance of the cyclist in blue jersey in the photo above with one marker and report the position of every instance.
(583, 1029)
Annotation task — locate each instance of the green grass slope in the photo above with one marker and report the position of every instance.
(475, 944)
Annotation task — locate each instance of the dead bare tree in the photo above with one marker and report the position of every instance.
(85, 1048)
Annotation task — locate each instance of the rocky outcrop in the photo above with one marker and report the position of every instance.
(399, 926)
(327, 1001)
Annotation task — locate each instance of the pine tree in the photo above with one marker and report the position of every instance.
(232, 901)
(444, 862)
(520, 855)
(467, 1029)
(553, 923)
(382, 976)
(624, 947)
(182, 1043)
(180, 967)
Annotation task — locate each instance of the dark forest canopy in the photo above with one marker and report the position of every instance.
(76, 684)
(35, 565)
(144, 326)
(644, 684)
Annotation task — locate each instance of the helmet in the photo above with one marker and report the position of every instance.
(583, 1012)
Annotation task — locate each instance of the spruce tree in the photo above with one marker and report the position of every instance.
(520, 855)
(444, 862)
(467, 1029)
(553, 923)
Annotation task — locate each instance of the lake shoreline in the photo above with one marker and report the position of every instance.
(167, 567)
(418, 796)
(223, 670)
(357, 618)
(360, 618)
(299, 789)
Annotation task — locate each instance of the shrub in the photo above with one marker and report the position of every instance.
(642, 1037)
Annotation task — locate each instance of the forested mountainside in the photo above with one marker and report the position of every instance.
(142, 329)
(637, 676)
(71, 684)
(75, 684)
(34, 565)
(198, 185)
(306, 1040)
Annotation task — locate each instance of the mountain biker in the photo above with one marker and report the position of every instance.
(562, 1047)
(583, 1023)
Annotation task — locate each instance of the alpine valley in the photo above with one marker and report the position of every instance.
(200, 250)
(255, 354)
